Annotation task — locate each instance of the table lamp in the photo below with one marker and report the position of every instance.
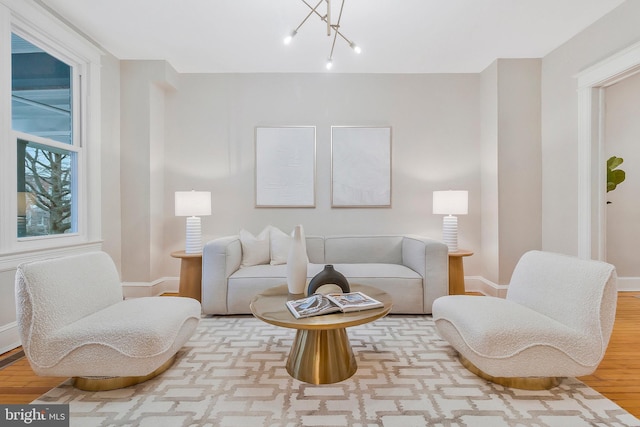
(193, 205)
(450, 203)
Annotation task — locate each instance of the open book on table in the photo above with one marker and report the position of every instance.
(317, 304)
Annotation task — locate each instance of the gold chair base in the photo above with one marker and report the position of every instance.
(321, 356)
(113, 383)
(524, 383)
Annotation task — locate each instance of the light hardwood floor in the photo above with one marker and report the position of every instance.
(617, 377)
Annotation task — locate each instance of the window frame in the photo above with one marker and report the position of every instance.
(61, 42)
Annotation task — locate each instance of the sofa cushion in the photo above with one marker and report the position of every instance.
(255, 249)
(389, 278)
(245, 283)
(363, 249)
(268, 271)
(315, 249)
(280, 244)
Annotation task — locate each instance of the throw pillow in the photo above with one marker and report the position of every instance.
(255, 250)
(280, 245)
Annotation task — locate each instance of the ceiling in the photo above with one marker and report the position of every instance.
(396, 36)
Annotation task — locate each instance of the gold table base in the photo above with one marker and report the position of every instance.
(321, 352)
(321, 356)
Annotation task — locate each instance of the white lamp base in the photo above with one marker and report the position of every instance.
(450, 232)
(194, 235)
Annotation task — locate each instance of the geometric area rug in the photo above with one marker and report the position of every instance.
(232, 373)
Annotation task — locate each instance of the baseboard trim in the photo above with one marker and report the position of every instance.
(150, 289)
(484, 286)
(629, 284)
(9, 337)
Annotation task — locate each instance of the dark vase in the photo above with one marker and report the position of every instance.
(328, 276)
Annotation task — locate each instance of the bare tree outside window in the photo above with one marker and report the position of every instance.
(42, 113)
(48, 185)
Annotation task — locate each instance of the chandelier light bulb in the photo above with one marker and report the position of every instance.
(290, 37)
(329, 64)
(355, 47)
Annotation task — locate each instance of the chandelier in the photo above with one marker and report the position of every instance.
(332, 29)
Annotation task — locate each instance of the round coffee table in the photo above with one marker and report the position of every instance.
(321, 352)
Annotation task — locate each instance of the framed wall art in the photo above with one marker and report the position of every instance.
(360, 167)
(285, 166)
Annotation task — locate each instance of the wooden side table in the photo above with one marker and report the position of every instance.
(456, 271)
(190, 274)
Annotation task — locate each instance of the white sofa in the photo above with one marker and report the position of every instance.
(412, 269)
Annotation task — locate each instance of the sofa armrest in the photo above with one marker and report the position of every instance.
(220, 259)
(430, 259)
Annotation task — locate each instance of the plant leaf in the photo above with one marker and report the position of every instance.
(614, 162)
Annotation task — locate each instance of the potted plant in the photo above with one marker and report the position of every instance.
(615, 176)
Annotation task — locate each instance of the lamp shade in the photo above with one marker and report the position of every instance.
(193, 203)
(450, 202)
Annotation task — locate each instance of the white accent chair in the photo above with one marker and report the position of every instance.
(74, 322)
(555, 322)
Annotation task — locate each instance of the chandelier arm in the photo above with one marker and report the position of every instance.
(328, 17)
(336, 31)
(335, 28)
(313, 9)
(340, 14)
(333, 45)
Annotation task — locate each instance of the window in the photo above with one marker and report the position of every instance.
(42, 118)
(49, 136)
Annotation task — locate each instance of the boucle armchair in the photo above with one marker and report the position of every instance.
(74, 322)
(555, 322)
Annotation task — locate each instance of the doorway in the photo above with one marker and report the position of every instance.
(622, 139)
(592, 84)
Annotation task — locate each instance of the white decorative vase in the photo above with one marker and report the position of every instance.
(297, 262)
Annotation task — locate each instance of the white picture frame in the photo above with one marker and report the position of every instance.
(285, 166)
(360, 167)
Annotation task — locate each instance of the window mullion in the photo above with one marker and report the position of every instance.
(46, 141)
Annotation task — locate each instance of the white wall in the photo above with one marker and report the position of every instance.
(607, 36)
(511, 165)
(142, 89)
(519, 161)
(110, 158)
(210, 121)
(490, 229)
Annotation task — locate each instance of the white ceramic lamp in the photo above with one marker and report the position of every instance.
(450, 203)
(193, 205)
